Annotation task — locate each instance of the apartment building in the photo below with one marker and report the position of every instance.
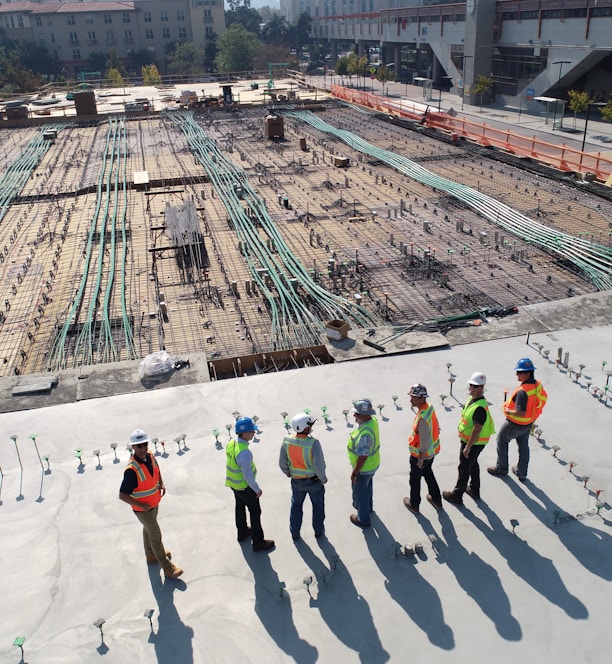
(71, 31)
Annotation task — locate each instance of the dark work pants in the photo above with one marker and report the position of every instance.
(247, 499)
(426, 472)
(469, 471)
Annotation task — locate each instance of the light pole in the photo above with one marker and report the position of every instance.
(560, 63)
(586, 120)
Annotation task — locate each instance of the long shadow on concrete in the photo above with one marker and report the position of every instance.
(273, 609)
(536, 570)
(173, 640)
(418, 598)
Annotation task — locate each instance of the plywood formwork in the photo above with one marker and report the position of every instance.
(367, 233)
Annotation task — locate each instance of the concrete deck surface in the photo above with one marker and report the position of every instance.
(72, 552)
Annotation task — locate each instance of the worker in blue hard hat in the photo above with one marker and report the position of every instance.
(521, 410)
(240, 477)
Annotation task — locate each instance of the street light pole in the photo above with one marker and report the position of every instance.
(586, 121)
(560, 63)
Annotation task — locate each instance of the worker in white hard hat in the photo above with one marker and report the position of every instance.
(142, 489)
(475, 428)
(424, 444)
(301, 459)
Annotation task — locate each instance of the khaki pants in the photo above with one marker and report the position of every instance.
(152, 537)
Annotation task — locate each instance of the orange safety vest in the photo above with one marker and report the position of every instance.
(536, 400)
(148, 490)
(299, 455)
(427, 413)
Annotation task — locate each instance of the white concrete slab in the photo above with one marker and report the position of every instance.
(71, 552)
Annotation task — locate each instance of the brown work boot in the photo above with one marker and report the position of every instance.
(264, 545)
(172, 572)
(152, 559)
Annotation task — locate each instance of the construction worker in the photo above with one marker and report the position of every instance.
(364, 456)
(521, 410)
(424, 444)
(142, 489)
(240, 477)
(475, 428)
(301, 459)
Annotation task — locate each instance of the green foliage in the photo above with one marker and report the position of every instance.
(276, 31)
(481, 86)
(578, 102)
(113, 78)
(142, 57)
(19, 60)
(185, 58)
(150, 75)
(248, 18)
(384, 75)
(237, 49)
(606, 111)
(97, 61)
(114, 62)
(342, 66)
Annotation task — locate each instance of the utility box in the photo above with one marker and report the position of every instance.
(336, 330)
(341, 162)
(274, 126)
(85, 103)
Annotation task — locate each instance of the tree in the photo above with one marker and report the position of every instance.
(341, 67)
(114, 62)
(150, 75)
(578, 102)
(185, 59)
(276, 31)
(97, 61)
(210, 52)
(481, 86)
(237, 49)
(606, 111)
(114, 78)
(300, 32)
(384, 74)
(248, 18)
(142, 57)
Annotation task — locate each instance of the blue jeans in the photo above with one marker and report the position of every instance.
(363, 497)
(299, 490)
(510, 431)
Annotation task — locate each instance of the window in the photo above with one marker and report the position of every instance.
(76, 54)
(41, 40)
(208, 31)
(73, 37)
(108, 18)
(166, 33)
(110, 37)
(147, 17)
(149, 33)
(126, 17)
(180, 15)
(20, 21)
(38, 22)
(70, 19)
(128, 35)
(163, 15)
(182, 33)
(52, 38)
(91, 35)
(89, 20)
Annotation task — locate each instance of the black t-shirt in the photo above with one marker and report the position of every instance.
(521, 398)
(130, 479)
(480, 414)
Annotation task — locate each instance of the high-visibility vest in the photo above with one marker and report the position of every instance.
(466, 424)
(148, 489)
(299, 455)
(373, 460)
(536, 400)
(428, 414)
(233, 473)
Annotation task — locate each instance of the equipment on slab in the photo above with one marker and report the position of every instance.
(274, 126)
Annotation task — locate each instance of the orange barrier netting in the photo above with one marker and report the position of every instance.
(562, 157)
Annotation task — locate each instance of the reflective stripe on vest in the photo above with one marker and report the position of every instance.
(536, 400)
(299, 455)
(428, 414)
(373, 460)
(148, 488)
(466, 424)
(233, 473)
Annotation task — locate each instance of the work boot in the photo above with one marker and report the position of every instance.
(264, 545)
(475, 494)
(494, 470)
(152, 559)
(438, 506)
(452, 498)
(410, 506)
(172, 572)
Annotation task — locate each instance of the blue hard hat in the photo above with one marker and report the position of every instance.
(524, 364)
(245, 424)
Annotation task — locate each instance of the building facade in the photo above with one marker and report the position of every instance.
(71, 31)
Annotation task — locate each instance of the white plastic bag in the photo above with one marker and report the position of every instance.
(155, 364)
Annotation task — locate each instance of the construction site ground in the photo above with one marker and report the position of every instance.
(406, 252)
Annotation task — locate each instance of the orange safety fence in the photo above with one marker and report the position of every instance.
(562, 157)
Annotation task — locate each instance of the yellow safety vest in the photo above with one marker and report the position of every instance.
(299, 455)
(466, 424)
(373, 460)
(233, 472)
(427, 413)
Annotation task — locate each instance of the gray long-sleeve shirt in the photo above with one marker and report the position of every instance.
(318, 461)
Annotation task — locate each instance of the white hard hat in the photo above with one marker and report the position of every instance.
(478, 378)
(139, 436)
(418, 390)
(302, 421)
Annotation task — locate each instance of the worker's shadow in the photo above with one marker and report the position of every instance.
(418, 598)
(590, 546)
(173, 640)
(528, 564)
(478, 579)
(345, 612)
(273, 608)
